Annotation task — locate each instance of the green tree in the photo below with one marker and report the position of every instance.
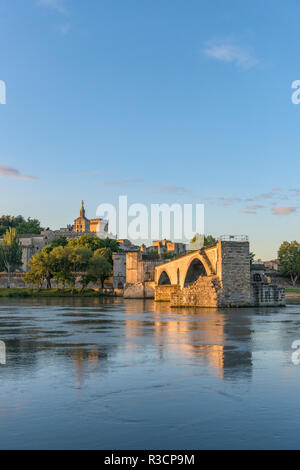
(20, 224)
(169, 255)
(93, 243)
(29, 226)
(85, 241)
(63, 265)
(42, 268)
(289, 259)
(99, 269)
(106, 253)
(208, 240)
(252, 257)
(34, 278)
(80, 258)
(59, 241)
(10, 253)
(110, 243)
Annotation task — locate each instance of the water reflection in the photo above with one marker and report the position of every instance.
(90, 331)
(221, 339)
(90, 373)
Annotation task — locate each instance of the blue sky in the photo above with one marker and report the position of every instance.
(169, 101)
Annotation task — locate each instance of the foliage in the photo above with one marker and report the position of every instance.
(80, 258)
(64, 264)
(289, 258)
(41, 268)
(150, 255)
(208, 241)
(20, 224)
(94, 243)
(106, 253)
(10, 253)
(34, 278)
(252, 257)
(169, 255)
(7, 221)
(59, 241)
(29, 226)
(99, 269)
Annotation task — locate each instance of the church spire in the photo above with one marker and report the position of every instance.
(82, 210)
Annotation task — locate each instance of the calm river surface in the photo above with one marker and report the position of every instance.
(115, 374)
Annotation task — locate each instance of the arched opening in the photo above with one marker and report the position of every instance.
(195, 270)
(257, 277)
(164, 279)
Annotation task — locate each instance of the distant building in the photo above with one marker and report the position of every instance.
(84, 225)
(272, 265)
(166, 246)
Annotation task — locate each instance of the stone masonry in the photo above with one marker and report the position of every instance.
(214, 277)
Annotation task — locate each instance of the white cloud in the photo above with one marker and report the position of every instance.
(226, 51)
(227, 201)
(6, 171)
(57, 5)
(265, 196)
(283, 210)
(255, 207)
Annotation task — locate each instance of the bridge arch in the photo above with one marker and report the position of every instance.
(195, 270)
(177, 269)
(164, 279)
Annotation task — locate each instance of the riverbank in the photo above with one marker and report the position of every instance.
(292, 293)
(17, 293)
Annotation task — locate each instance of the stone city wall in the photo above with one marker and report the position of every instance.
(17, 282)
(267, 295)
(140, 290)
(163, 293)
(205, 292)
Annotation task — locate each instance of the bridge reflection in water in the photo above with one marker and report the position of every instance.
(92, 334)
(220, 339)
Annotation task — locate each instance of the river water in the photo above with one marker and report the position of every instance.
(132, 374)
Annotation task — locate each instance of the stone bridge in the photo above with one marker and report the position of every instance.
(212, 277)
(185, 270)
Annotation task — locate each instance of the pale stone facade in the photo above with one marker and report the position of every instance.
(216, 277)
(139, 276)
(84, 225)
(167, 246)
(31, 244)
